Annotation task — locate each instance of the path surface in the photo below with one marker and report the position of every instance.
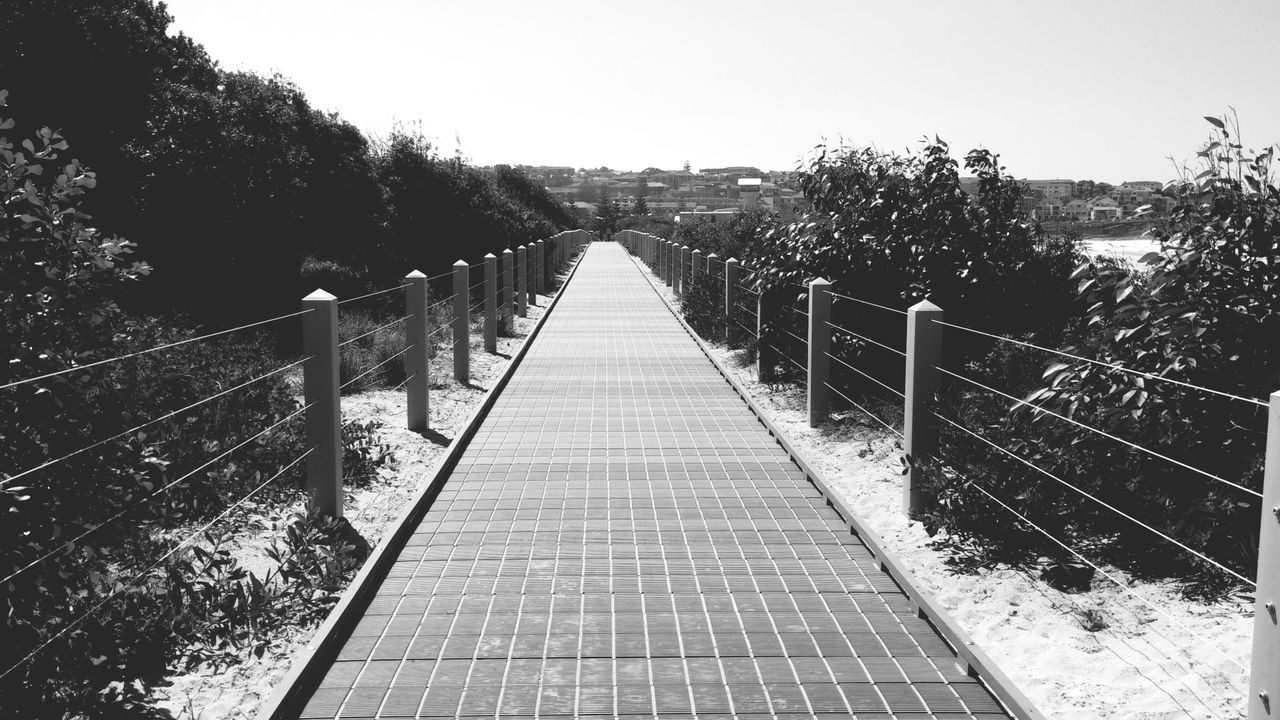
(623, 538)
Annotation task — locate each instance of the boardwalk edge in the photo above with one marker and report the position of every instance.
(980, 664)
(292, 692)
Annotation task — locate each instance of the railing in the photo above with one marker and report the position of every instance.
(533, 273)
(922, 358)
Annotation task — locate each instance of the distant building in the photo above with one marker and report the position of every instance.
(584, 210)
(749, 192)
(1055, 191)
(1105, 208)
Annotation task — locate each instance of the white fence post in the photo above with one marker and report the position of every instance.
(508, 292)
(695, 267)
(490, 303)
(540, 274)
(1264, 675)
(730, 296)
(819, 396)
(320, 390)
(417, 358)
(919, 427)
(461, 322)
(522, 281)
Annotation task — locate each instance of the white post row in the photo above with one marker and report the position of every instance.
(508, 291)
(919, 427)
(1264, 675)
(818, 395)
(320, 390)
(490, 303)
(461, 323)
(522, 281)
(416, 358)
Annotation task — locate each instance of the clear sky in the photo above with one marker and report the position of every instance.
(1085, 89)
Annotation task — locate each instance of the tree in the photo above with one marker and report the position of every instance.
(608, 213)
(641, 207)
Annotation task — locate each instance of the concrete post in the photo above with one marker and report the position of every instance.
(508, 291)
(712, 267)
(540, 268)
(819, 395)
(1264, 676)
(490, 303)
(416, 359)
(686, 265)
(695, 268)
(320, 389)
(664, 262)
(461, 323)
(766, 357)
(531, 270)
(730, 297)
(920, 429)
(522, 281)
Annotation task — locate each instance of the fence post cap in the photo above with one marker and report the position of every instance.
(733, 260)
(461, 263)
(507, 252)
(319, 295)
(713, 255)
(490, 256)
(415, 275)
(819, 281)
(697, 252)
(684, 247)
(924, 306)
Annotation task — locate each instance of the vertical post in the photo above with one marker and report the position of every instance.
(766, 357)
(540, 268)
(461, 323)
(695, 268)
(819, 396)
(1264, 676)
(686, 264)
(324, 413)
(416, 358)
(664, 259)
(508, 291)
(711, 264)
(919, 428)
(490, 303)
(531, 270)
(730, 297)
(522, 282)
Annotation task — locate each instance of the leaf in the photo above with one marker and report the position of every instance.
(1215, 122)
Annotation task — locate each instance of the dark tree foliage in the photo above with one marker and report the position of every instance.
(608, 215)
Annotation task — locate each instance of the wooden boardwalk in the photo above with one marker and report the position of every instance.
(622, 537)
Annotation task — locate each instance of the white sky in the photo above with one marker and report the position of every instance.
(1085, 89)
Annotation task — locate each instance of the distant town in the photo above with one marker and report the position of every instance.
(723, 191)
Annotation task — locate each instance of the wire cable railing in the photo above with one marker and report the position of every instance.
(1037, 409)
(873, 416)
(783, 355)
(361, 336)
(375, 368)
(864, 338)
(158, 348)
(1097, 500)
(868, 303)
(120, 587)
(1122, 585)
(150, 422)
(70, 544)
(438, 303)
(890, 388)
(1109, 366)
(375, 293)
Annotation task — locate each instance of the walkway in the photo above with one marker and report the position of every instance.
(623, 538)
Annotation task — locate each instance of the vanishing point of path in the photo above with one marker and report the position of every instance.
(622, 537)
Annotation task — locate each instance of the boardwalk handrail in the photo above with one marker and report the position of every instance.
(923, 366)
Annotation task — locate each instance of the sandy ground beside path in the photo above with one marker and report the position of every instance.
(1141, 666)
(371, 508)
